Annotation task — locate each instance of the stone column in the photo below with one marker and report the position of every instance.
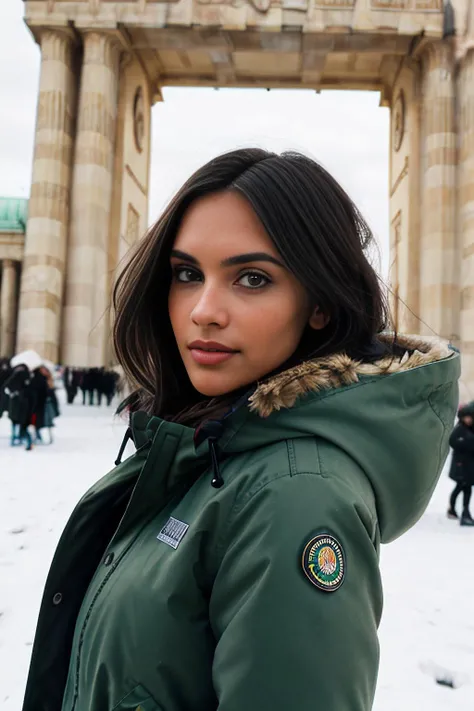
(466, 215)
(42, 278)
(8, 308)
(85, 318)
(439, 280)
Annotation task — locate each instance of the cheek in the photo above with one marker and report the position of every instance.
(176, 309)
(278, 323)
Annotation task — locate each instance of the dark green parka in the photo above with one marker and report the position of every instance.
(167, 593)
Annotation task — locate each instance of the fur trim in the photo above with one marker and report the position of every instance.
(339, 369)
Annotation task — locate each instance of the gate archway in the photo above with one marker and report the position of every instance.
(104, 63)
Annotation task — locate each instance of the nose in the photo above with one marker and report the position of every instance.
(210, 309)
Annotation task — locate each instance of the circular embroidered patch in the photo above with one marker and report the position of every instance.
(323, 562)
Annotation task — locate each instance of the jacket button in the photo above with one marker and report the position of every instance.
(108, 559)
(57, 599)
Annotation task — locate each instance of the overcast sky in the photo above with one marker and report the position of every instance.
(346, 131)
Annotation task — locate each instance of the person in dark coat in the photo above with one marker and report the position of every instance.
(21, 404)
(76, 381)
(47, 408)
(70, 384)
(109, 382)
(40, 386)
(462, 464)
(89, 385)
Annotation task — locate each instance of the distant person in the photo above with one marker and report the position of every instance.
(462, 464)
(82, 383)
(86, 385)
(46, 403)
(21, 405)
(100, 384)
(40, 387)
(90, 381)
(109, 385)
(283, 434)
(70, 384)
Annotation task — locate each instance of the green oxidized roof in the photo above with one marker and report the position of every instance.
(13, 214)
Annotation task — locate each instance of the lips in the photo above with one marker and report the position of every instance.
(209, 353)
(211, 347)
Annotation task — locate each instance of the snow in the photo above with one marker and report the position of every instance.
(428, 623)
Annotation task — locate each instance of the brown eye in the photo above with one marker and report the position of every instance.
(185, 275)
(254, 280)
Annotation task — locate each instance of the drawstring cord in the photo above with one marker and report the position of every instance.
(217, 480)
(128, 435)
(211, 430)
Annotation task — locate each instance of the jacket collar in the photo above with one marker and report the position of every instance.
(338, 370)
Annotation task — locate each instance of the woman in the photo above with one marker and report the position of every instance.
(232, 561)
(21, 405)
(39, 385)
(462, 464)
(46, 402)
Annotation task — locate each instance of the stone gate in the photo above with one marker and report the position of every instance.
(104, 64)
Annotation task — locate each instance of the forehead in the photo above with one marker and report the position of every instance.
(223, 223)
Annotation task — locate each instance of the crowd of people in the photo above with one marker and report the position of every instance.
(95, 384)
(29, 399)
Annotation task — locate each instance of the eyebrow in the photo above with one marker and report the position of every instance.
(232, 261)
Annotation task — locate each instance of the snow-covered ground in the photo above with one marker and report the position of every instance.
(428, 623)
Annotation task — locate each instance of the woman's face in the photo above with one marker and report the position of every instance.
(236, 311)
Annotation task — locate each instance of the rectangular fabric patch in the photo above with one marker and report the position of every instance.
(173, 532)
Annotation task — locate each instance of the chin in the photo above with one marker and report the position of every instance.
(210, 388)
(214, 384)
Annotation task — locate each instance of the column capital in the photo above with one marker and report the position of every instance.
(107, 38)
(102, 47)
(58, 44)
(8, 263)
(437, 54)
(67, 34)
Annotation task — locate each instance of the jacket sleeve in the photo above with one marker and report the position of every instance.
(283, 643)
(462, 440)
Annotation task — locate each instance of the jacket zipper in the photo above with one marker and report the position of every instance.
(89, 612)
(174, 495)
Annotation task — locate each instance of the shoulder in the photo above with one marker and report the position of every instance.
(291, 471)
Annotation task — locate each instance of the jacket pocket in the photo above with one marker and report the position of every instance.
(139, 699)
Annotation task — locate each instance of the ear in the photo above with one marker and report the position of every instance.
(318, 320)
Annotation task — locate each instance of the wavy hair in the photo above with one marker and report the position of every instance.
(321, 237)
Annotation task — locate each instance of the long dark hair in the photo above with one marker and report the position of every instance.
(321, 237)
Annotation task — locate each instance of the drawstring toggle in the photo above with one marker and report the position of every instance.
(217, 480)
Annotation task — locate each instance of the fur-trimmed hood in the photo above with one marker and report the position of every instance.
(392, 418)
(339, 370)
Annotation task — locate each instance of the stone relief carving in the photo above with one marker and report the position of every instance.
(259, 5)
(139, 119)
(264, 5)
(408, 5)
(398, 121)
(395, 238)
(397, 5)
(403, 174)
(133, 222)
(397, 228)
